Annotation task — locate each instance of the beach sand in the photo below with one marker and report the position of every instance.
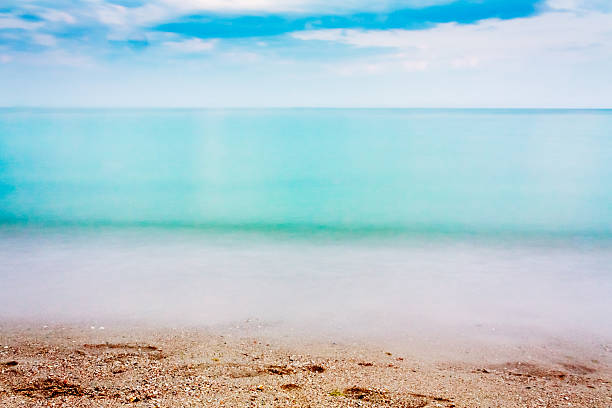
(83, 366)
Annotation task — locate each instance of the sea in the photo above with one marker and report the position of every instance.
(355, 220)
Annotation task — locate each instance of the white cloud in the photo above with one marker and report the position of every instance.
(58, 16)
(295, 6)
(577, 5)
(191, 46)
(558, 36)
(113, 14)
(44, 39)
(236, 5)
(117, 15)
(7, 21)
(127, 22)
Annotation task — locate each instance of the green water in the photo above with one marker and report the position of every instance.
(350, 171)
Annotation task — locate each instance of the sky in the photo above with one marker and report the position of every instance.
(306, 53)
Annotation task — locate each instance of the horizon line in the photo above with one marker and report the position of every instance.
(298, 107)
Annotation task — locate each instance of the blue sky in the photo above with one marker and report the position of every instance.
(216, 53)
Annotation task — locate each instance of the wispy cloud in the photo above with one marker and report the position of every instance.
(576, 5)
(57, 16)
(296, 6)
(191, 45)
(555, 35)
(358, 43)
(9, 21)
(207, 25)
(44, 39)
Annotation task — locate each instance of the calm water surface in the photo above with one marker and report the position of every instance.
(433, 218)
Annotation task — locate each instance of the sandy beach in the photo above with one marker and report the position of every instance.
(305, 203)
(87, 366)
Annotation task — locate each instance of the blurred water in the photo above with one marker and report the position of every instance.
(347, 218)
(440, 171)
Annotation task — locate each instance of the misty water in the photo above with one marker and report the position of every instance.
(387, 221)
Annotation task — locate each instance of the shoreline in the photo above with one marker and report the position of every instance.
(78, 366)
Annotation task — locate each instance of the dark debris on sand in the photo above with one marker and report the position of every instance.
(74, 370)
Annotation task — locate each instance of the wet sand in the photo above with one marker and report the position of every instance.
(82, 366)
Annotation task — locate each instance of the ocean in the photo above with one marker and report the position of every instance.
(353, 219)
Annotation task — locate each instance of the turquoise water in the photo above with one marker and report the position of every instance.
(353, 171)
(370, 221)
